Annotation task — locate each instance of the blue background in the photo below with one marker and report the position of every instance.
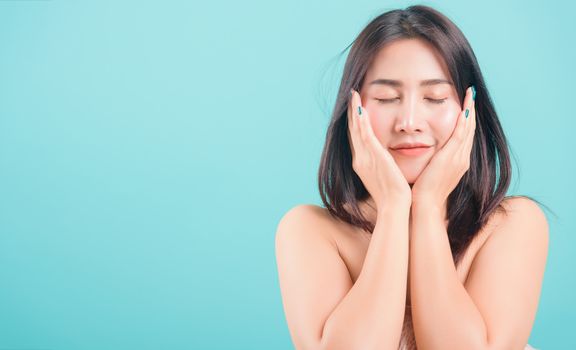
(148, 150)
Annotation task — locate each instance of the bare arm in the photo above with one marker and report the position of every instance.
(496, 306)
(371, 315)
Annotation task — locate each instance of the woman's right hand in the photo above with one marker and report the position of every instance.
(373, 163)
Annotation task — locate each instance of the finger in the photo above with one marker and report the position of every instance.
(471, 127)
(462, 127)
(351, 143)
(360, 114)
(363, 122)
(468, 110)
(366, 126)
(355, 130)
(455, 141)
(466, 147)
(350, 128)
(351, 120)
(363, 118)
(471, 133)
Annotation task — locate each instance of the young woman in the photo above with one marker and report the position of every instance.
(417, 246)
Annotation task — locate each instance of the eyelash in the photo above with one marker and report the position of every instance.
(380, 100)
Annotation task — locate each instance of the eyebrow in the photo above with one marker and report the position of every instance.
(398, 83)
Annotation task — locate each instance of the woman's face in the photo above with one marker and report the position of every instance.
(403, 109)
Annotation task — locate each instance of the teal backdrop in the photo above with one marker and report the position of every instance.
(148, 150)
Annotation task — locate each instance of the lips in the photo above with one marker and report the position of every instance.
(409, 145)
(411, 149)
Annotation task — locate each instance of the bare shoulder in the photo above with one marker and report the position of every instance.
(521, 221)
(524, 213)
(506, 275)
(521, 203)
(305, 220)
(312, 276)
(306, 212)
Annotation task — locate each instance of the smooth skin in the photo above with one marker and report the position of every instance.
(496, 306)
(373, 163)
(410, 110)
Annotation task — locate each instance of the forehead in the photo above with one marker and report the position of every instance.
(408, 60)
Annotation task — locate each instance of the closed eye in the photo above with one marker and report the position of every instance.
(436, 101)
(389, 100)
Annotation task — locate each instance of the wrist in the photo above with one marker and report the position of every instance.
(394, 207)
(428, 206)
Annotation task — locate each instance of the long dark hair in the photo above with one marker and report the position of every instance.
(482, 188)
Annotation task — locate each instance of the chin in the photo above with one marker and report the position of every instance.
(411, 174)
(412, 169)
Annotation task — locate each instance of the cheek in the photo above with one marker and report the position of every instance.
(443, 124)
(381, 125)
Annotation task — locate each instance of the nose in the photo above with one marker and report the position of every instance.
(408, 119)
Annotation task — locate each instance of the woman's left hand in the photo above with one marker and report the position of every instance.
(450, 163)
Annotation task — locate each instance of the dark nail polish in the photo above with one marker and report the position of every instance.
(466, 113)
(473, 93)
(359, 110)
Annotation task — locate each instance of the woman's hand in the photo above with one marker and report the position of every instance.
(450, 163)
(372, 162)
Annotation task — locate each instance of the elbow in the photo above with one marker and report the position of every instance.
(329, 343)
(338, 344)
(351, 338)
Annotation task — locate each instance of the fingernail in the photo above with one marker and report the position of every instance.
(466, 113)
(351, 92)
(359, 110)
(473, 93)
